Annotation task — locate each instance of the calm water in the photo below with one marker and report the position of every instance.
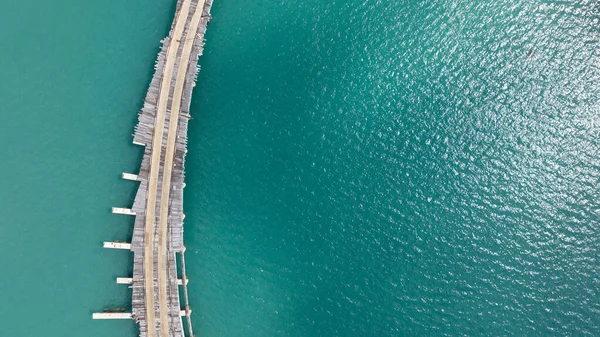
(356, 168)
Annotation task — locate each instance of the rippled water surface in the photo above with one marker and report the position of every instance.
(379, 168)
(356, 168)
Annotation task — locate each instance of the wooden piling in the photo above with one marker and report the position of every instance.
(168, 97)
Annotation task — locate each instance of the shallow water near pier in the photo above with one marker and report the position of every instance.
(355, 168)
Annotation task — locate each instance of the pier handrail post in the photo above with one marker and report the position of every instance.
(185, 293)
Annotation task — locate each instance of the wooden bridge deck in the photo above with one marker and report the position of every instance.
(158, 205)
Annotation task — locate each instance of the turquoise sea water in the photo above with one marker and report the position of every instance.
(355, 168)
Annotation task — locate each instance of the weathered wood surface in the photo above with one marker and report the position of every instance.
(144, 133)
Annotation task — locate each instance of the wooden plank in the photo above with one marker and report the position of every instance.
(111, 315)
(117, 245)
(125, 211)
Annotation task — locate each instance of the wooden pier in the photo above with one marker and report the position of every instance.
(158, 205)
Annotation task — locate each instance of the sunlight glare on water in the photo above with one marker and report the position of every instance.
(355, 168)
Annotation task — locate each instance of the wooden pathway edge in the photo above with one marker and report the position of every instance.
(162, 130)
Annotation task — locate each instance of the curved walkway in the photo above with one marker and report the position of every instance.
(184, 63)
(154, 171)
